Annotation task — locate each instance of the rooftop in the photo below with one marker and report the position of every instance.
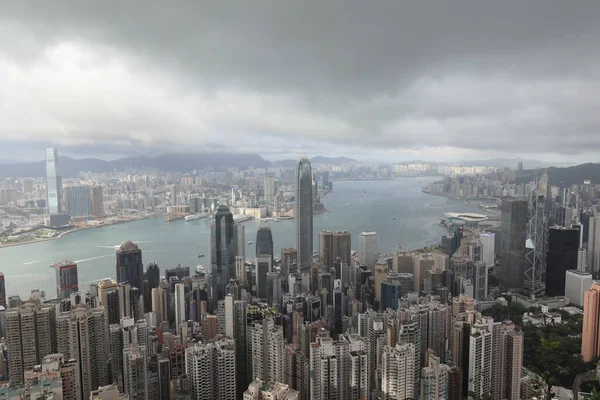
(65, 263)
(128, 246)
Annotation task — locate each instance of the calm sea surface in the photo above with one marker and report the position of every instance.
(356, 206)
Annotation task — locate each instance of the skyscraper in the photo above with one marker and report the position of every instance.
(210, 367)
(368, 249)
(303, 215)
(2, 291)
(223, 252)
(135, 372)
(130, 268)
(593, 252)
(512, 266)
(240, 245)
(266, 350)
(590, 336)
(66, 279)
(512, 361)
(180, 315)
(488, 250)
(79, 201)
(269, 190)
(434, 379)
(397, 376)
(97, 202)
(576, 283)
(334, 245)
(159, 304)
(30, 336)
(563, 246)
(53, 183)
(264, 242)
(153, 280)
(83, 336)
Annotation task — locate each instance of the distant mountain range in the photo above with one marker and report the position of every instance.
(70, 167)
(564, 177)
(289, 163)
(175, 162)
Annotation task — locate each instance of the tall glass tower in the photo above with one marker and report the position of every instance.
(303, 215)
(223, 252)
(53, 183)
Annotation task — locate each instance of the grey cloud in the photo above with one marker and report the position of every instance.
(505, 77)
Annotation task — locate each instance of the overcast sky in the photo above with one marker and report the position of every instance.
(373, 80)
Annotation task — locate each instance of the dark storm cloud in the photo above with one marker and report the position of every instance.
(470, 76)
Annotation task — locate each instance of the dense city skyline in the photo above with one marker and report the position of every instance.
(316, 200)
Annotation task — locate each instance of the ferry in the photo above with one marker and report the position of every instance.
(394, 217)
(250, 242)
(192, 217)
(200, 255)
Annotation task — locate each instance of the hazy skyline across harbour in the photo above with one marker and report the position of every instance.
(355, 206)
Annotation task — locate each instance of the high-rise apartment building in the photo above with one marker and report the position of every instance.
(79, 201)
(97, 202)
(223, 252)
(512, 361)
(210, 368)
(495, 359)
(513, 234)
(436, 328)
(66, 279)
(303, 218)
(434, 379)
(267, 351)
(326, 370)
(130, 268)
(398, 365)
(53, 183)
(409, 331)
(269, 190)
(159, 304)
(135, 372)
(480, 362)
(30, 336)
(563, 249)
(368, 249)
(590, 336)
(83, 336)
(122, 336)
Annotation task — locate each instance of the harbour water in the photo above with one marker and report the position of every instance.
(355, 206)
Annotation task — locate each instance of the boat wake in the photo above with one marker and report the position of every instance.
(93, 258)
(34, 262)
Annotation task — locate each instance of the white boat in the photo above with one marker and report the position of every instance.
(250, 242)
(192, 217)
